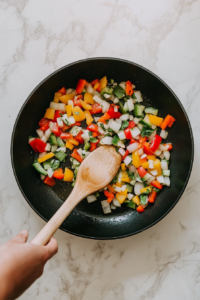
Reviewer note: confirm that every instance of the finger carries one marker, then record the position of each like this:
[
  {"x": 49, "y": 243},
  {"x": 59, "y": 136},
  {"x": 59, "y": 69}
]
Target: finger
[
  {"x": 51, "y": 248},
  {"x": 21, "y": 237}
]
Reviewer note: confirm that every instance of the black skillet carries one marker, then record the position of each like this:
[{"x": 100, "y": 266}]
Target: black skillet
[{"x": 88, "y": 220}]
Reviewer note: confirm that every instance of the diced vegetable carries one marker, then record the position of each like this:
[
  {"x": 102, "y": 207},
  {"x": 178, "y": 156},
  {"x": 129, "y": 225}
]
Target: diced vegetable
[{"x": 68, "y": 175}]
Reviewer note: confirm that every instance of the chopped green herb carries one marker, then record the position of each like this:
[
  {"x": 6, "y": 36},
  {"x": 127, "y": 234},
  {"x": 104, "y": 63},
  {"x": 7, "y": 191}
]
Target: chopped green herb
[
  {"x": 102, "y": 126},
  {"x": 107, "y": 121},
  {"x": 90, "y": 133},
  {"x": 133, "y": 96},
  {"x": 73, "y": 183},
  {"x": 93, "y": 140},
  {"x": 115, "y": 140},
  {"x": 61, "y": 114},
  {"x": 66, "y": 122},
  {"x": 124, "y": 125},
  {"x": 114, "y": 180},
  {"x": 146, "y": 131},
  {"x": 30, "y": 137},
  {"x": 117, "y": 149},
  {"x": 97, "y": 194},
  {"x": 77, "y": 113},
  {"x": 110, "y": 130},
  {"x": 143, "y": 199},
  {"x": 156, "y": 190},
  {"x": 131, "y": 175}
]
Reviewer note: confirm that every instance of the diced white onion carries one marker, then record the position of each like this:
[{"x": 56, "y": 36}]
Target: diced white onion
[
  {"x": 153, "y": 126},
  {"x": 105, "y": 106},
  {"x": 47, "y": 133},
  {"x": 97, "y": 99},
  {"x": 154, "y": 172},
  {"x": 127, "y": 160},
  {"x": 167, "y": 181},
  {"x": 120, "y": 144},
  {"x": 71, "y": 120},
  {"x": 106, "y": 207},
  {"x": 151, "y": 164},
  {"x": 161, "y": 179},
  {"x": 147, "y": 177},
  {"x": 59, "y": 122},
  {"x": 161, "y": 156},
  {"x": 119, "y": 121},
  {"x": 119, "y": 178},
  {"x": 163, "y": 134},
  {"x": 62, "y": 149},
  {"x": 131, "y": 118},
  {"x": 40, "y": 133},
  {"x": 164, "y": 165},
  {"x": 121, "y": 135},
  {"x": 30, "y": 140},
  {"x": 138, "y": 186},
  {"x": 140, "y": 151},
  {"x": 166, "y": 173},
  {"x": 130, "y": 104},
  {"x": 96, "y": 119},
  {"x": 75, "y": 130},
  {"x": 115, "y": 126},
  {"x": 137, "y": 137},
  {"x": 123, "y": 85},
  {"x": 48, "y": 147},
  {"x": 138, "y": 96},
  {"x": 166, "y": 154},
  {"x": 135, "y": 131},
  {"x": 116, "y": 100},
  {"x": 42, "y": 154},
  {"x": 51, "y": 125},
  {"x": 79, "y": 151},
  {"x": 116, "y": 202},
  {"x": 132, "y": 169},
  {"x": 70, "y": 91},
  {"x": 115, "y": 109},
  {"x": 91, "y": 198},
  {"x": 123, "y": 187},
  {"x": 107, "y": 96},
  {"x": 162, "y": 147},
  {"x": 140, "y": 126},
  {"x": 50, "y": 172},
  {"x": 130, "y": 196},
  {"x": 118, "y": 189},
  {"x": 132, "y": 147},
  {"x": 89, "y": 88},
  {"x": 58, "y": 106},
  {"x": 107, "y": 140},
  {"x": 124, "y": 117},
  {"x": 86, "y": 135},
  {"x": 54, "y": 148},
  {"x": 151, "y": 137},
  {"x": 157, "y": 152},
  {"x": 121, "y": 151},
  {"x": 136, "y": 120},
  {"x": 44, "y": 139},
  {"x": 143, "y": 156},
  {"x": 71, "y": 102},
  {"x": 112, "y": 206},
  {"x": 152, "y": 178}
]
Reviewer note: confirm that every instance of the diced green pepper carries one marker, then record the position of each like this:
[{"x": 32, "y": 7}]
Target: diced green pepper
[{"x": 60, "y": 155}]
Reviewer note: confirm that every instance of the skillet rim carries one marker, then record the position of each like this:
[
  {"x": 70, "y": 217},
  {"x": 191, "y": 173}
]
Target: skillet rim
[{"x": 177, "y": 99}]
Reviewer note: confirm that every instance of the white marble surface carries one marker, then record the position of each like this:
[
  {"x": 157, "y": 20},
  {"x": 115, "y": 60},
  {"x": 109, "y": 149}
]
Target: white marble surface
[{"x": 36, "y": 38}]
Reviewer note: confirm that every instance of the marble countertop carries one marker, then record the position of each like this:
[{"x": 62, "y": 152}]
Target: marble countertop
[{"x": 38, "y": 37}]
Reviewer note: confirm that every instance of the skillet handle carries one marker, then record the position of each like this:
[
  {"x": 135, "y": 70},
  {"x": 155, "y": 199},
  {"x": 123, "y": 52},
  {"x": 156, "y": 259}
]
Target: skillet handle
[{"x": 54, "y": 223}]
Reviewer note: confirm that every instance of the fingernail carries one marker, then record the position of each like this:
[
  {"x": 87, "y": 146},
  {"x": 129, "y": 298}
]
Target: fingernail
[{"x": 24, "y": 232}]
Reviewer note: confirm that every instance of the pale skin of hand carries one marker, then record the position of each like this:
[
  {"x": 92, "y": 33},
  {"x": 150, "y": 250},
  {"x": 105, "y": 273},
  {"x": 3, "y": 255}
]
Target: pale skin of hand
[{"x": 21, "y": 264}]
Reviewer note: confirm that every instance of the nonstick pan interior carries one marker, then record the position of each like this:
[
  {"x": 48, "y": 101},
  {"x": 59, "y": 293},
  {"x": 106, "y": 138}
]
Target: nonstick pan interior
[{"x": 88, "y": 220}]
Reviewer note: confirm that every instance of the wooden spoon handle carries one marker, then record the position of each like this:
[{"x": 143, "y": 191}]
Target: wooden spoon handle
[{"x": 54, "y": 223}]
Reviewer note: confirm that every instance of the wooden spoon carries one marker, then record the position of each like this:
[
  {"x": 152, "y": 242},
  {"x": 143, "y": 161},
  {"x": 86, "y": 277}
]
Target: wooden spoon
[{"x": 95, "y": 172}]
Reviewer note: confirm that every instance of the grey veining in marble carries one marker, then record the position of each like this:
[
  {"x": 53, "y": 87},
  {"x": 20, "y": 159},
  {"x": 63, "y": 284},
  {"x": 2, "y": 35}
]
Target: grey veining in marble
[{"x": 38, "y": 37}]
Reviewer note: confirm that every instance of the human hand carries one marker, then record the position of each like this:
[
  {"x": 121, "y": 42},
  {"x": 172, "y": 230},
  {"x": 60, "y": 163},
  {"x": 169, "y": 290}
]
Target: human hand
[{"x": 21, "y": 264}]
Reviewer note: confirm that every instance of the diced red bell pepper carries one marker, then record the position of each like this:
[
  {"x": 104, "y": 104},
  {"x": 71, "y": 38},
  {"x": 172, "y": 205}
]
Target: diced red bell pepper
[
  {"x": 109, "y": 200},
  {"x": 33, "y": 145},
  {"x": 40, "y": 145},
  {"x": 155, "y": 143},
  {"x": 113, "y": 114},
  {"x": 76, "y": 155},
  {"x": 152, "y": 196},
  {"x": 142, "y": 139},
  {"x": 58, "y": 114},
  {"x": 156, "y": 184},
  {"x": 80, "y": 85},
  {"x": 109, "y": 194},
  {"x": 143, "y": 160},
  {"x": 142, "y": 172},
  {"x": 45, "y": 127},
  {"x": 65, "y": 127},
  {"x": 147, "y": 149},
  {"x": 62, "y": 91},
  {"x": 43, "y": 121},
  {"x": 169, "y": 146},
  {"x": 95, "y": 134},
  {"x": 171, "y": 122},
  {"x": 77, "y": 102},
  {"x": 129, "y": 89},
  {"x": 56, "y": 129},
  {"x": 131, "y": 124},
  {"x": 140, "y": 209},
  {"x": 66, "y": 135},
  {"x": 93, "y": 128},
  {"x": 49, "y": 181},
  {"x": 93, "y": 146},
  {"x": 96, "y": 109},
  {"x": 79, "y": 138},
  {"x": 127, "y": 133},
  {"x": 58, "y": 174},
  {"x": 94, "y": 82},
  {"x": 132, "y": 141},
  {"x": 125, "y": 155}
]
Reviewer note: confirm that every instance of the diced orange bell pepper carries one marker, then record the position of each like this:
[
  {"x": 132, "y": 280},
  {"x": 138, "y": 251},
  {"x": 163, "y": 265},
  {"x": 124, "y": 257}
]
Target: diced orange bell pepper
[
  {"x": 69, "y": 145},
  {"x": 65, "y": 98},
  {"x": 156, "y": 184},
  {"x": 103, "y": 83},
  {"x": 171, "y": 122},
  {"x": 151, "y": 157},
  {"x": 50, "y": 112},
  {"x": 73, "y": 141},
  {"x": 62, "y": 91},
  {"x": 56, "y": 97},
  {"x": 109, "y": 200},
  {"x": 129, "y": 89},
  {"x": 78, "y": 114},
  {"x": 88, "y": 98},
  {"x": 105, "y": 117},
  {"x": 152, "y": 197},
  {"x": 85, "y": 105},
  {"x": 58, "y": 174},
  {"x": 140, "y": 209},
  {"x": 109, "y": 194},
  {"x": 111, "y": 189},
  {"x": 143, "y": 160}
]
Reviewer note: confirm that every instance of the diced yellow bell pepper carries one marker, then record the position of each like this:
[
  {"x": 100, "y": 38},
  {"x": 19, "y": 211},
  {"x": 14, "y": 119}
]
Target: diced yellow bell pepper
[
  {"x": 103, "y": 82},
  {"x": 145, "y": 189},
  {"x": 151, "y": 157},
  {"x": 56, "y": 97},
  {"x": 155, "y": 120},
  {"x": 157, "y": 166},
  {"x": 88, "y": 116},
  {"x": 65, "y": 98},
  {"x": 45, "y": 157},
  {"x": 136, "y": 159},
  {"x": 123, "y": 167},
  {"x": 69, "y": 145},
  {"x": 88, "y": 98},
  {"x": 145, "y": 165},
  {"x": 69, "y": 110},
  {"x": 122, "y": 196},
  {"x": 136, "y": 200},
  {"x": 73, "y": 141},
  {"x": 118, "y": 184},
  {"x": 68, "y": 175},
  {"x": 78, "y": 114},
  {"x": 50, "y": 112},
  {"x": 85, "y": 105},
  {"x": 125, "y": 177},
  {"x": 96, "y": 86}
]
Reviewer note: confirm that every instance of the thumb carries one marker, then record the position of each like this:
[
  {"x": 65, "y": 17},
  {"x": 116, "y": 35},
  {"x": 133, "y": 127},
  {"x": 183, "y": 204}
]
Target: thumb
[{"x": 21, "y": 237}]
